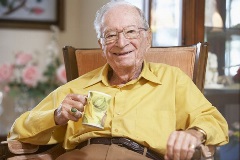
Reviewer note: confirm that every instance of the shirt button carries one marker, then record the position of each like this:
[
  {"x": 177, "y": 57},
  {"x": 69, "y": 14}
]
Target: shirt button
[{"x": 116, "y": 130}]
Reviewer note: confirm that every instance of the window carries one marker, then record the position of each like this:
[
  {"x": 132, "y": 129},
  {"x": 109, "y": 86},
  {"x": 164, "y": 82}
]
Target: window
[
  {"x": 165, "y": 20},
  {"x": 222, "y": 26}
]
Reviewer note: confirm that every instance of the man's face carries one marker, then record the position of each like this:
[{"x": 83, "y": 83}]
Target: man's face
[{"x": 124, "y": 53}]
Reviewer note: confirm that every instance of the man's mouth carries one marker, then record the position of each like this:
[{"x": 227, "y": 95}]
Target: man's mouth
[{"x": 123, "y": 53}]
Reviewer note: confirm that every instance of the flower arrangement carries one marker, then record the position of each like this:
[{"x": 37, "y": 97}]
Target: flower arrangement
[
  {"x": 27, "y": 80},
  {"x": 25, "y": 76}
]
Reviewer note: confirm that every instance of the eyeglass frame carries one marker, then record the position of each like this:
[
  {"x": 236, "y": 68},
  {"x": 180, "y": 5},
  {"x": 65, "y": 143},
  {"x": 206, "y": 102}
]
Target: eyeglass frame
[{"x": 103, "y": 39}]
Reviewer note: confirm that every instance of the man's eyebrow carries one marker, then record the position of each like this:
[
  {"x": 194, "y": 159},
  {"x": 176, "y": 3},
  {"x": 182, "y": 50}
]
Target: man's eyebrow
[{"x": 113, "y": 29}]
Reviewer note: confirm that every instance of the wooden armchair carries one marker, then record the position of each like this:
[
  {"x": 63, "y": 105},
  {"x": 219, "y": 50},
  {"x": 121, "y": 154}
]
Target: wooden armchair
[{"x": 191, "y": 59}]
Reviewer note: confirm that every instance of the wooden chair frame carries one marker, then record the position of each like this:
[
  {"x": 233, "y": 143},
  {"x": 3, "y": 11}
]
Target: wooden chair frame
[{"x": 200, "y": 60}]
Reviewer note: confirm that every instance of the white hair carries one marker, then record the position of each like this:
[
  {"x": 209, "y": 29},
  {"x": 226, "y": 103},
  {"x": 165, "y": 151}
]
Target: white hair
[{"x": 100, "y": 14}]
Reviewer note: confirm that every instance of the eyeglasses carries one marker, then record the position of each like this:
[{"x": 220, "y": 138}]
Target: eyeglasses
[{"x": 130, "y": 32}]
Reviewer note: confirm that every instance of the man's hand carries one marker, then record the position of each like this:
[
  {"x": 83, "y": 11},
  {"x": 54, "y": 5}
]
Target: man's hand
[
  {"x": 181, "y": 144},
  {"x": 71, "y": 108}
]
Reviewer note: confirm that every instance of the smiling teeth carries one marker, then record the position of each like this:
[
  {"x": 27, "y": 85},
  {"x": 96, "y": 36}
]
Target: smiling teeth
[{"x": 122, "y": 53}]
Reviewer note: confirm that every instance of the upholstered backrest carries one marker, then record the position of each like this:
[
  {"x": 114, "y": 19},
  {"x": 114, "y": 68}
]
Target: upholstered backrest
[
  {"x": 88, "y": 60},
  {"x": 190, "y": 59}
]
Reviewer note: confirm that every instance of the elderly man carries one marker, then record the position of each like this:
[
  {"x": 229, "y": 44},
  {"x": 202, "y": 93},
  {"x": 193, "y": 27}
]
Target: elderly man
[{"x": 156, "y": 109}]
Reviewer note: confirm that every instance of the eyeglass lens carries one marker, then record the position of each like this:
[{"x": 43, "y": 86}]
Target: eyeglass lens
[{"x": 130, "y": 32}]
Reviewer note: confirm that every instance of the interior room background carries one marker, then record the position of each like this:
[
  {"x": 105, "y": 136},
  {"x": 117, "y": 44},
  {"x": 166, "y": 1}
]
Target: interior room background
[
  {"x": 78, "y": 31},
  {"x": 221, "y": 28}
]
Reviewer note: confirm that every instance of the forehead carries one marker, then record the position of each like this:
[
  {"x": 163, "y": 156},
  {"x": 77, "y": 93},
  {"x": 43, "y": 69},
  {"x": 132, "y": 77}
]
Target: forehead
[{"x": 119, "y": 17}]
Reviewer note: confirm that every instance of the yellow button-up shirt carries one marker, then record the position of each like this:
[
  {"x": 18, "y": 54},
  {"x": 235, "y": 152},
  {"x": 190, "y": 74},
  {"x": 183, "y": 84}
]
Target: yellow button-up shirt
[{"x": 163, "y": 99}]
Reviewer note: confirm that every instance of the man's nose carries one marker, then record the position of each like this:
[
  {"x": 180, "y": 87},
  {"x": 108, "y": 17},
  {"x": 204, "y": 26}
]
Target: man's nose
[{"x": 122, "y": 41}]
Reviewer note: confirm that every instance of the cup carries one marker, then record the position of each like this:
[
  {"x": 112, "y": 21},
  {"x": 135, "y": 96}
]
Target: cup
[{"x": 95, "y": 111}]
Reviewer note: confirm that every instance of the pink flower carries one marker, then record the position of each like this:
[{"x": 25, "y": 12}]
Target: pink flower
[
  {"x": 6, "y": 89},
  {"x": 6, "y": 72},
  {"x": 61, "y": 74},
  {"x": 30, "y": 76},
  {"x": 23, "y": 58}
]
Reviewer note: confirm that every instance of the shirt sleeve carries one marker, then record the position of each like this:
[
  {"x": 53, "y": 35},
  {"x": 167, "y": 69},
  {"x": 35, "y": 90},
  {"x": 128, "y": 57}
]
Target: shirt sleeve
[
  {"x": 38, "y": 126},
  {"x": 193, "y": 109}
]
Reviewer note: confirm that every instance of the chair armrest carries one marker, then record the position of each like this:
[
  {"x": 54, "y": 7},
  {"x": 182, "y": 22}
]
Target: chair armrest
[
  {"x": 203, "y": 152},
  {"x": 4, "y": 152},
  {"x": 15, "y": 149}
]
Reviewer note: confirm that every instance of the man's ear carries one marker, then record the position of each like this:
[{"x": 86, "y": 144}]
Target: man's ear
[
  {"x": 101, "y": 46},
  {"x": 149, "y": 38}
]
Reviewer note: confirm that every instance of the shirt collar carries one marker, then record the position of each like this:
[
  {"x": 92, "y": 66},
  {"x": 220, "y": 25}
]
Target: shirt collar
[
  {"x": 100, "y": 76},
  {"x": 103, "y": 75},
  {"x": 148, "y": 74}
]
